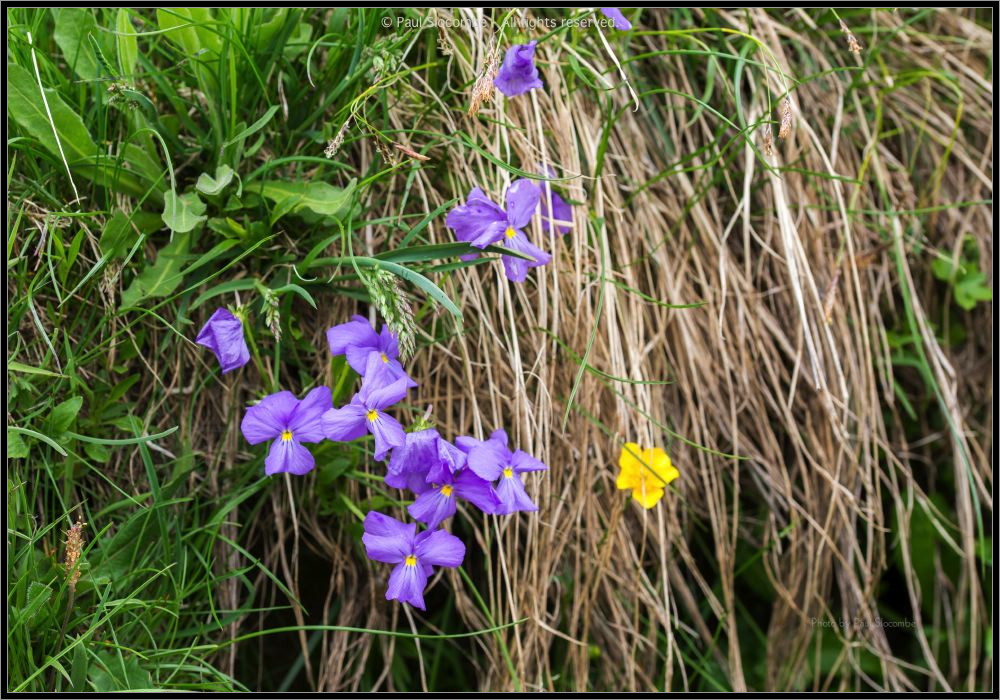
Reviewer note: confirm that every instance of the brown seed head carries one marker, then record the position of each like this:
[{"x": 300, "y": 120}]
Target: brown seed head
[{"x": 786, "y": 119}]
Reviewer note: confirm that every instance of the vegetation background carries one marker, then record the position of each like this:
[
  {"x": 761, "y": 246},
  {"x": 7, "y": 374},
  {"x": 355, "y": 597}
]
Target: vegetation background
[{"x": 804, "y": 322}]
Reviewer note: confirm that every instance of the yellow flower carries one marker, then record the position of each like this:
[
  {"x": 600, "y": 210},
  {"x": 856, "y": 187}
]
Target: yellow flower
[{"x": 645, "y": 472}]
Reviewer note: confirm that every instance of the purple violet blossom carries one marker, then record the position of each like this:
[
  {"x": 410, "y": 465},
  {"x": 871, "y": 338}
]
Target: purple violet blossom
[
  {"x": 518, "y": 73},
  {"x": 616, "y": 16},
  {"x": 481, "y": 222},
  {"x": 289, "y": 422},
  {"x": 562, "y": 212},
  {"x": 223, "y": 335},
  {"x": 438, "y": 503},
  {"x": 415, "y": 555},
  {"x": 493, "y": 460},
  {"x": 423, "y": 459},
  {"x": 366, "y": 413},
  {"x": 358, "y": 341}
]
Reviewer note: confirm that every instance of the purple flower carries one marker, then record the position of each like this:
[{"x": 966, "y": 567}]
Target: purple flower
[
  {"x": 616, "y": 16},
  {"x": 562, "y": 212},
  {"x": 423, "y": 459},
  {"x": 518, "y": 73},
  {"x": 492, "y": 460},
  {"x": 223, "y": 335},
  {"x": 481, "y": 222},
  {"x": 415, "y": 556},
  {"x": 366, "y": 413},
  {"x": 289, "y": 422},
  {"x": 358, "y": 341},
  {"x": 438, "y": 503}
]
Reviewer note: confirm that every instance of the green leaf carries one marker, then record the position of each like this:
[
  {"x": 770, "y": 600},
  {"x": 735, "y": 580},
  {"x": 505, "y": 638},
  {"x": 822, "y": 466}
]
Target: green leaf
[
  {"x": 62, "y": 417},
  {"x": 214, "y": 185},
  {"x": 38, "y": 596},
  {"x": 181, "y": 214},
  {"x": 253, "y": 128},
  {"x": 162, "y": 277},
  {"x": 16, "y": 449},
  {"x": 14, "y": 366},
  {"x": 118, "y": 236},
  {"x": 319, "y": 197},
  {"x": 971, "y": 289},
  {"x": 72, "y": 27},
  {"x": 112, "y": 673},
  {"x": 128, "y": 46},
  {"x": 25, "y": 106}
]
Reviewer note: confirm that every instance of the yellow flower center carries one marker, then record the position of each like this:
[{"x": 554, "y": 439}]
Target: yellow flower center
[
  {"x": 510, "y": 232},
  {"x": 385, "y": 358},
  {"x": 411, "y": 560},
  {"x": 286, "y": 435},
  {"x": 373, "y": 415},
  {"x": 508, "y": 473},
  {"x": 446, "y": 490}
]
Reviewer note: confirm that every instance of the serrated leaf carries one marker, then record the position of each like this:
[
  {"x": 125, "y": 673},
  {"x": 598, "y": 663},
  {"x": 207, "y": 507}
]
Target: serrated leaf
[
  {"x": 319, "y": 197},
  {"x": 162, "y": 277},
  {"x": 182, "y": 213},
  {"x": 214, "y": 185},
  {"x": 38, "y": 596},
  {"x": 62, "y": 416}
]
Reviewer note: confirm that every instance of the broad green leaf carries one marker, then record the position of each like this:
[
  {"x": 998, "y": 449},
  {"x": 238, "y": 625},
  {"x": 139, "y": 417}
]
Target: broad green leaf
[
  {"x": 73, "y": 26},
  {"x": 128, "y": 46},
  {"x": 214, "y": 185},
  {"x": 38, "y": 597},
  {"x": 117, "y": 237},
  {"x": 970, "y": 289},
  {"x": 161, "y": 278},
  {"x": 181, "y": 214},
  {"x": 111, "y": 673},
  {"x": 25, "y": 106},
  {"x": 319, "y": 197},
  {"x": 16, "y": 449},
  {"x": 63, "y": 416}
]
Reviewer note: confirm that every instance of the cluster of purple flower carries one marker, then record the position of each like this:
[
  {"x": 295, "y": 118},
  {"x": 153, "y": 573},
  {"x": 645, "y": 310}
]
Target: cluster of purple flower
[
  {"x": 481, "y": 222},
  {"x": 486, "y": 473}
]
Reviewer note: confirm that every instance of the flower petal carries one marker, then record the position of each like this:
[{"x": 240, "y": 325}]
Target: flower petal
[
  {"x": 406, "y": 584},
  {"x": 288, "y": 456},
  {"x": 469, "y": 220},
  {"x": 561, "y": 213},
  {"x": 375, "y": 393},
  {"x": 466, "y": 442},
  {"x": 357, "y": 332},
  {"x": 306, "y": 421},
  {"x": 439, "y": 548},
  {"x": 517, "y": 268},
  {"x": 512, "y": 496},
  {"x": 266, "y": 419},
  {"x": 432, "y": 507},
  {"x": 523, "y": 462},
  {"x": 647, "y": 496},
  {"x": 489, "y": 235},
  {"x": 616, "y": 16},
  {"x": 476, "y": 491},
  {"x": 346, "y": 423},
  {"x": 518, "y": 73},
  {"x": 449, "y": 460},
  {"x": 386, "y": 539},
  {"x": 389, "y": 434},
  {"x": 488, "y": 459},
  {"x": 522, "y": 201},
  {"x": 223, "y": 335}
]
